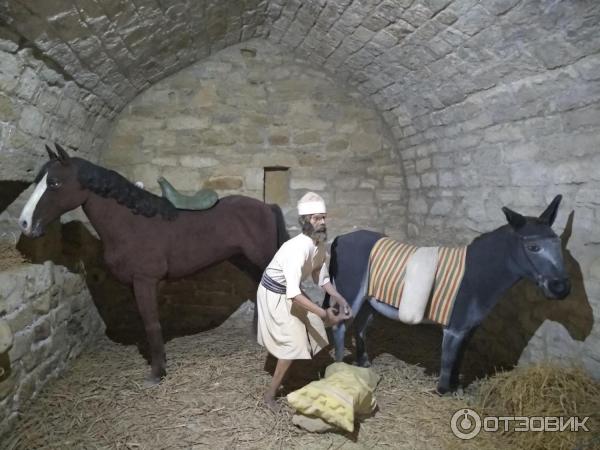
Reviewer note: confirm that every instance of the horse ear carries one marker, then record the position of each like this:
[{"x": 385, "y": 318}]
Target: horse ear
[
  {"x": 515, "y": 219},
  {"x": 549, "y": 215},
  {"x": 51, "y": 154},
  {"x": 63, "y": 156}
]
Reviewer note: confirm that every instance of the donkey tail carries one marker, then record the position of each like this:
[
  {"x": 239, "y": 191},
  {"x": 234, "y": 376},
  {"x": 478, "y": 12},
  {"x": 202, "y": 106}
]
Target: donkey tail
[{"x": 282, "y": 233}]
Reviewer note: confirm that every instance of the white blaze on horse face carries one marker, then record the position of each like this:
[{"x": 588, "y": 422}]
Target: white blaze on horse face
[{"x": 26, "y": 218}]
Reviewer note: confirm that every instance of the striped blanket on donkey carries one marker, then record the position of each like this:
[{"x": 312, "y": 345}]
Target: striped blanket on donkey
[{"x": 430, "y": 276}]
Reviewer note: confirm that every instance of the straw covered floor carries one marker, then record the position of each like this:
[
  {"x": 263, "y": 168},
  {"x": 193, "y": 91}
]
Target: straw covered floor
[{"x": 212, "y": 398}]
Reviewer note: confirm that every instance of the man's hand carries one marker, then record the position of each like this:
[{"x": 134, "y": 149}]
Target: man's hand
[
  {"x": 331, "y": 318},
  {"x": 340, "y": 304}
]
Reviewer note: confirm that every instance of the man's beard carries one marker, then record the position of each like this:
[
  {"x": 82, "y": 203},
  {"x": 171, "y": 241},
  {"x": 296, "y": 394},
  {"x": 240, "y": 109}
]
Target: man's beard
[{"x": 318, "y": 234}]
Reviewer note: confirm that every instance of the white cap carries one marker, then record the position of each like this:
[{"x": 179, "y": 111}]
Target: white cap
[{"x": 311, "y": 203}]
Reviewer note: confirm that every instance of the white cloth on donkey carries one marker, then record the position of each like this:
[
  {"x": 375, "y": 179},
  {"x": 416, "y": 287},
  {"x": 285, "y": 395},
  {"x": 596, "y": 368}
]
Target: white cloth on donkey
[{"x": 418, "y": 282}]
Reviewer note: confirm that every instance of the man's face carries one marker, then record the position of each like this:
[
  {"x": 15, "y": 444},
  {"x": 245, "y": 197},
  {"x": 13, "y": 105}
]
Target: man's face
[
  {"x": 319, "y": 227},
  {"x": 318, "y": 222}
]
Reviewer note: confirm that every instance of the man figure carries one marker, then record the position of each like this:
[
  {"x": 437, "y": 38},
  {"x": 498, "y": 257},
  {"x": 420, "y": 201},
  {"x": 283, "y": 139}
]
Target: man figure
[{"x": 290, "y": 325}]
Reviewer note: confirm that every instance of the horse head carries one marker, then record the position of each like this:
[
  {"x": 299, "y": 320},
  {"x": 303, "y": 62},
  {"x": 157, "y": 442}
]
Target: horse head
[
  {"x": 536, "y": 251},
  {"x": 57, "y": 191}
]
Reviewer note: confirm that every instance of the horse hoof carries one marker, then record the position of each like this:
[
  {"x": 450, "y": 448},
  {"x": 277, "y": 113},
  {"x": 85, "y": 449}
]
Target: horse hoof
[
  {"x": 365, "y": 364},
  {"x": 151, "y": 381}
]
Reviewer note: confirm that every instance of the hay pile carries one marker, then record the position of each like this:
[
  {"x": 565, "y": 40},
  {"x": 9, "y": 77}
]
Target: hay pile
[
  {"x": 544, "y": 390},
  {"x": 9, "y": 256}
]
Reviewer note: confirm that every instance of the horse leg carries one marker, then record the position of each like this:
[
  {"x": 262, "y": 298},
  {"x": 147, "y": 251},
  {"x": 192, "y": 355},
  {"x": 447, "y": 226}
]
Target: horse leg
[
  {"x": 145, "y": 297},
  {"x": 452, "y": 344},
  {"x": 361, "y": 324}
]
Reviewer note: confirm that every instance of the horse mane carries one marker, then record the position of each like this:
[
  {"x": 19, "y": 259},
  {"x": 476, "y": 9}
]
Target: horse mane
[{"x": 110, "y": 184}]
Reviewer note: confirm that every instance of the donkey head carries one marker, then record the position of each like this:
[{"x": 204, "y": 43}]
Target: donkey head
[
  {"x": 57, "y": 191},
  {"x": 536, "y": 251}
]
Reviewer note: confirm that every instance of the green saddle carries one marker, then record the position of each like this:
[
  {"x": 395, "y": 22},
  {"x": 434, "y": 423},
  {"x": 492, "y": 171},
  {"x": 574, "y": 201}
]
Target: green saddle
[{"x": 203, "y": 199}]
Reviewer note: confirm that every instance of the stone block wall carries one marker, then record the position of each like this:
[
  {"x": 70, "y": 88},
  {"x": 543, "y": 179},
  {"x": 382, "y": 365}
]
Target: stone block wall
[
  {"x": 219, "y": 123},
  {"x": 40, "y": 104},
  {"x": 50, "y": 318}
]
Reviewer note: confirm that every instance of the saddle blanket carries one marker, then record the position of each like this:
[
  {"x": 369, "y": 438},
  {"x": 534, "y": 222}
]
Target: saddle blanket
[{"x": 388, "y": 264}]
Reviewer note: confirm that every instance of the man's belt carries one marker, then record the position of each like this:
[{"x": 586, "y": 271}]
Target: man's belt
[{"x": 272, "y": 285}]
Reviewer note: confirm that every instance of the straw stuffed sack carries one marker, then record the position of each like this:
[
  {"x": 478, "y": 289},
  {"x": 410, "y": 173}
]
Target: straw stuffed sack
[{"x": 345, "y": 391}]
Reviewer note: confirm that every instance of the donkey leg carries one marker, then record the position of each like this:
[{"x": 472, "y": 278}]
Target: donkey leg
[
  {"x": 145, "y": 297},
  {"x": 451, "y": 347},
  {"x": 455, "y": 373},
  {"x": 339, "y": 340},
  {"x": 361, "y": 324}
]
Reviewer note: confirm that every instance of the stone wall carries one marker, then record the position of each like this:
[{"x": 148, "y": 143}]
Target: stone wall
[
  {"x": 39, "y": 105},
  {"x": 51, "y": 318},
  {"x": 220, "y": 122}
]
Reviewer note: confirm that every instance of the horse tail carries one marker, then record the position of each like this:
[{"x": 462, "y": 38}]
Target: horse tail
[{"x": 282, "y": 233}]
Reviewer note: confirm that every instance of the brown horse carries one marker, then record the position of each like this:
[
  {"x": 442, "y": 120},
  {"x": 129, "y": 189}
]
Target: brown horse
[{"x": 145, "y": 238}]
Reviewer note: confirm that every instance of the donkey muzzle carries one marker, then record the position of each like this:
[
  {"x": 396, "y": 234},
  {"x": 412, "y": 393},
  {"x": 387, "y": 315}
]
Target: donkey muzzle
[{"x": 557, "y": 288}]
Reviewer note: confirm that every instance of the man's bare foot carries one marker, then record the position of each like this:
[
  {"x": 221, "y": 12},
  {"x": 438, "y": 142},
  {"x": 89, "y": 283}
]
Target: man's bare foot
[{"x": 271, "y": 403}]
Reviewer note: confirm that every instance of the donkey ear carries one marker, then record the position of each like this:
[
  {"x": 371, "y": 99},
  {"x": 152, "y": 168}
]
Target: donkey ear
[
  {"x": 515, "y": 219},
  {"x": 549, "y": 215},
  {"x": 51, "y": 154},
  {"x": 63, "y": 156}
]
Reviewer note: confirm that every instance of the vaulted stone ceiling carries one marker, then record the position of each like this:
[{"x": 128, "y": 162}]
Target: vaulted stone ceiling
[
  {"x": 412, "y": 57},
  {"x": 117, "y": 48}
]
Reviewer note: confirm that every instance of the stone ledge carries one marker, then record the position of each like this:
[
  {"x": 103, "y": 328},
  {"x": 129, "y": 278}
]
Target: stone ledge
[{"x": 40, "y": 340}]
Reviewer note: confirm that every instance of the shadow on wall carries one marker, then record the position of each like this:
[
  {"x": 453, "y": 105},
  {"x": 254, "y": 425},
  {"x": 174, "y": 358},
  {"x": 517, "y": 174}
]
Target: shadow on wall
[
  {"x": 186, "y": 306},
  {"x": 502, "y": 337},
  {"x": 9, "y": 191}
]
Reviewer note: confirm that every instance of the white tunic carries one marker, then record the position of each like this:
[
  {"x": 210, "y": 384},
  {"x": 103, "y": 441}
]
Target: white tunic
[{"x": 287, "y": 330}]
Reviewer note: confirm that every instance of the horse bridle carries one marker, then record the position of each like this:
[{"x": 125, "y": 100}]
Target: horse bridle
[{"x": 536, "y": 238}]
